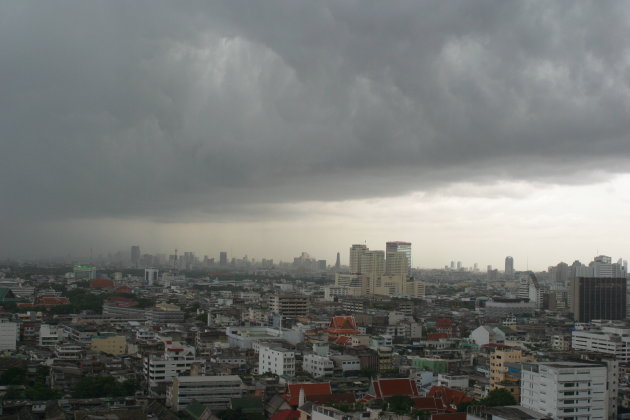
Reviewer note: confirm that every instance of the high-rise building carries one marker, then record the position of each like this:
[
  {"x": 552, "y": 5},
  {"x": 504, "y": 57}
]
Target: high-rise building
[
  {"x": 396, "y": 263},
  {"x": 372, "y": 265},
  {"x": 356, "y": 251},
  {"x": 559, "y": 276},
  {"x": 509, "y": 266},
  {"x": 598, "y": 298},
  {"x": 223, "y": 258},
  {"x": 400, "y": 246},
  {"x": 338, "y": 262},
  {"x": 135, "y": 255}
]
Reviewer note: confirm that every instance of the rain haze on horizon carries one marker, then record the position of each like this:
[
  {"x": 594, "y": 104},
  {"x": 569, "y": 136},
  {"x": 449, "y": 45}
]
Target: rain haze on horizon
[{"x": 473, "y": 129}]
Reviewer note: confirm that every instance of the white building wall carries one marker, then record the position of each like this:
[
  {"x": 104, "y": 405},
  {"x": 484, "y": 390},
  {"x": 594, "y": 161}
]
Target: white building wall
[
  {"x": 8, "y": 335},
  {"x": 565, "y": 390}
]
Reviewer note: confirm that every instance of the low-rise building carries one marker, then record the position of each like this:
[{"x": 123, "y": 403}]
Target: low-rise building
[
  {"x": 215, "y": 392},
  {"x": 115, "y": 345},
  {"x": 317, "y": 365}
]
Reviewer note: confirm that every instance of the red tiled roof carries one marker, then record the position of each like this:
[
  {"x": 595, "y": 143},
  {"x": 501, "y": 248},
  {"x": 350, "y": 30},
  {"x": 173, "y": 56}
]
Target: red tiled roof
[
  {"x": 285, "y": 415},
  {"x": 449, "y": 396},
  {"x": 293, "y": 391},
  {"x": 343, "y": 325},
  {"x": 124, "y": 289},
  {"x": 347, "y": 398},
  {"x": 436, "y": 336},
  {"x": 53, "y": 300},
  {"x": 102, "y": 284},
  {"x": 343, "y": 340},
  {"x": 449, "y": 416},
  {"x": 432, "y": 405},
  {"x": 443, "y": 323},
  {"x": 384, "y": 388}
]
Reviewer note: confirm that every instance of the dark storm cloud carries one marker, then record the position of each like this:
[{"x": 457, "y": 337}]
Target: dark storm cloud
[{"x": 169, "y": 110}]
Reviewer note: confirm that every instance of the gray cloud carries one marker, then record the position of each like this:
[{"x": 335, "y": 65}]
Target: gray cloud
[{"x": 175, "y": 111}]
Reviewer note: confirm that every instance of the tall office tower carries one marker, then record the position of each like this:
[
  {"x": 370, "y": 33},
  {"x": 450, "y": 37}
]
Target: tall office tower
[
  {"x": 459, "y": 265},
  {"x": 223, "y": 258},
  {"x": 559, "y": 276},
  {"x": 396, "y": 263},
  {"x": 338, "y": 262},
  {"x": 356, "y": 251},
  {"x": 452, "y": 265},
  {"x": 372, "y": 265},
  {"x": 602, "y": 266},
  {"x": 400, "y": 246},
  {"x": 135, "y": 255},
  {"x": 598, "y": 298},
  {"x": 509, "y": 266}
]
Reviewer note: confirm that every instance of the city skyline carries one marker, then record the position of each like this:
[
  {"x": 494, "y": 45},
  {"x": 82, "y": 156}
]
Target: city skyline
[{"x": 497, "y": 131}]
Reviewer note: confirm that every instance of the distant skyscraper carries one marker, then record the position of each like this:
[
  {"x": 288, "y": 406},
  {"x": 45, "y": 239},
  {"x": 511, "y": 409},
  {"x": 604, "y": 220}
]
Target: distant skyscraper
[
  {"x": 223, "y": 258},
  {"x": 509, "y": 266},
  {"x": 356, "y": 251},
  {"x": 400, "y": 246},
  {"x": 135, "y": 255},
  {"x": 372, "y": 265},
  {"x": 396, "y": 263},
  {"x": 338, "y": 262}
]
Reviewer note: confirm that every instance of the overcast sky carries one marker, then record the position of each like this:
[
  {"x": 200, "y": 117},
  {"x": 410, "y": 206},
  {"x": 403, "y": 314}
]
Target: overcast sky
[{"x": 474, "y": 129}]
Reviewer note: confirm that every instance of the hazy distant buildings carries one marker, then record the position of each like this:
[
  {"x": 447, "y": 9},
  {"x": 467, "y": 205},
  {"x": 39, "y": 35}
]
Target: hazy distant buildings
[
  {"x": 509, "y": 266},
  {"x": 338, "y": 262},
  {"x": 379, "y": 272},
  {"x": 223, "y": 258},
  {"x": 135, "y": 255},
  {"x": 84, "y": 272}
]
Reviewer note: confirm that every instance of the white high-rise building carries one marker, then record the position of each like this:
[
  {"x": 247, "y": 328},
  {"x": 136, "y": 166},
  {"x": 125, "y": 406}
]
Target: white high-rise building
[
  {"x": 566, "y": 390},
  {"x": 275, "y": 359}
]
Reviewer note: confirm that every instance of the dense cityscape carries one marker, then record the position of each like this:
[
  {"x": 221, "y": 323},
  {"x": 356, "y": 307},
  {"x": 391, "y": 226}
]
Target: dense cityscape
[
  {"x": 369, "y": 336},
  {"x": 314, "y": 210}
]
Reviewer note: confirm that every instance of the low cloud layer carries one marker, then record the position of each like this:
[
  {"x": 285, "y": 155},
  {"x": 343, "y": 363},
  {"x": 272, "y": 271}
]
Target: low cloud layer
[{"x": 216, "y": 110}]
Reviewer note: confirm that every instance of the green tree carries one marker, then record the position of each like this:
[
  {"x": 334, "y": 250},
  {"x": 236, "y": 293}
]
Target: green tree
[
  {"x": 498, "y": 397},
  {"x": 13, "y": 376},
  {"x": 104, "y": 386},
  {"x": 399, "y": 404}
]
